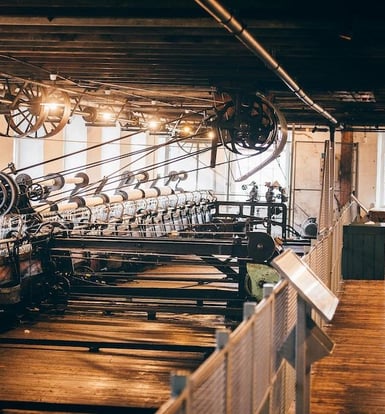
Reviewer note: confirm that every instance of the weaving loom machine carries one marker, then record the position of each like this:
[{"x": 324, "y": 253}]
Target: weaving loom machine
[{"x": 65, "y": 241}]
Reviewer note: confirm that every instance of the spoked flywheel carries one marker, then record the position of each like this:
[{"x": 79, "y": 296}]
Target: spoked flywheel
[
  {"x": 58, "y": 110},
  {"x": 35, "y": 111},
  {"x": 251, "y": 123},
  {"x": 26, "y": 110}
]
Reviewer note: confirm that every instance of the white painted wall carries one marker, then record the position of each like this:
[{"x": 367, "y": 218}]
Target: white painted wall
[
  {"x": 367, "y": 168},
  {"x": 306, "y": 171}
]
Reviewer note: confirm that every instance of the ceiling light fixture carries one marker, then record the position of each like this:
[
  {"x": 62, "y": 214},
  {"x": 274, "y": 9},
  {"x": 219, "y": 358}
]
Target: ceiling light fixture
[
  {"x": 153, "y": 124},
  {"x": 345, "y": 36},
  {"x": 107, "y": 116},
  {"x": 211, "y": 134}
]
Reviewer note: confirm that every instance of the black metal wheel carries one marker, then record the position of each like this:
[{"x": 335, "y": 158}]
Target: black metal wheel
[
  {"x": 35, "y": 192},
  {"x": 9, "y": 193}
]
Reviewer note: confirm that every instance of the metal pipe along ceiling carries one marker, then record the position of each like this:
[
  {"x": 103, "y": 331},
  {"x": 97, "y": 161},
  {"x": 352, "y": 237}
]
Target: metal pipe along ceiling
[{"x": 238, "y": 29}]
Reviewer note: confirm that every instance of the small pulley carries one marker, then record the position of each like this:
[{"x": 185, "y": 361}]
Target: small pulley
[{"x": 36, "y": 192}]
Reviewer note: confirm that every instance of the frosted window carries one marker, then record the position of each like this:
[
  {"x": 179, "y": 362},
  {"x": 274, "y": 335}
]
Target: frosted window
[
  {"x": 190, "y": 156},
  {"x": 28, "y": 152},
  {"x": 75, "y": 139},
  {"x": 110, "y": 153},
  {"x": 276, "y": 171},
  {"x": 380, "y": 187}
]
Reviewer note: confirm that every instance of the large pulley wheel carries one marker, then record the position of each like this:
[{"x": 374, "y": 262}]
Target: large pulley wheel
[
  {"x": 196, "y": 141},
  {"x": 26, "y": 110},
  {"x": 194, "y": 145},
  {"x": 257, "y": 126},
  {"x": 261, "y": 246},
  {"x": 58, "y": 110},
  {"x": 249, "y": 123},
  {"x": 192, "y": 137},
  {"x": 9, "y": 194}
]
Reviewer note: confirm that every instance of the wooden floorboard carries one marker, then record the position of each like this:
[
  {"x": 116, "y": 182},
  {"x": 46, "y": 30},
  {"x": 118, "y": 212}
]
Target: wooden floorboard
[
  {"x": 352, "y": 379},
  {"x": 129, "y": 379}
]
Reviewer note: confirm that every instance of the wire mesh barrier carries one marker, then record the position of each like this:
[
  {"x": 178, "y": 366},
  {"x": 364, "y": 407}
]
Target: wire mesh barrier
[
  {"x": 250, "y": 372},
  {"x": 324, "y": 257}
]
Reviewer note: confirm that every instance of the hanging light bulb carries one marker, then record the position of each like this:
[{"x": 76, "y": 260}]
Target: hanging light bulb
[
  {"x": 153, "y": 124},
  {"x": 211, "y": 134},
  {"x": 186, "y": 129},
  {"x": 107, "y": 116}
]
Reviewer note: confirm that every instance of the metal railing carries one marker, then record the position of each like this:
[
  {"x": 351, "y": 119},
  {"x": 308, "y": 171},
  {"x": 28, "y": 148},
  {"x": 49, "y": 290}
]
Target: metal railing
[{"x": 248, "y": 373}]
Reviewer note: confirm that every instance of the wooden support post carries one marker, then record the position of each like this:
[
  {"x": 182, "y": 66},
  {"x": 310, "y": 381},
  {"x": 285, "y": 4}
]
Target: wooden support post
[
  {"x": 345, "y": 172},
  {"x": 301, "y": 365}
]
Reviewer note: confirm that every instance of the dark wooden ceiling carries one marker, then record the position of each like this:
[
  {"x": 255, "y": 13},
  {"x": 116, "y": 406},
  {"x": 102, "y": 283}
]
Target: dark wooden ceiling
[{"x": 174, "y": 54}]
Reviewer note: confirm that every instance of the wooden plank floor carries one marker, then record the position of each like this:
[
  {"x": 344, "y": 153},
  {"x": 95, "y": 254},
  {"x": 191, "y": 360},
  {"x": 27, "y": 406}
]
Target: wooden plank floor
[
  {"x": 133, "y": 380},
  {"x": 129, "y": 380},
  {"x": 352, "y": 379}
]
